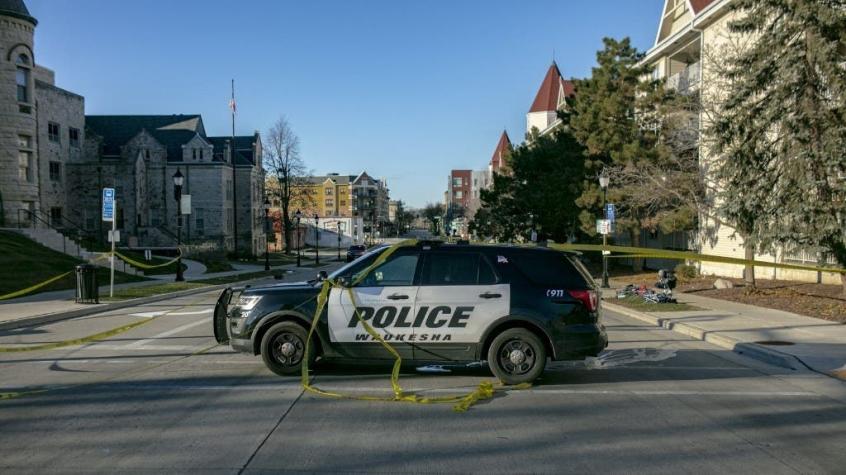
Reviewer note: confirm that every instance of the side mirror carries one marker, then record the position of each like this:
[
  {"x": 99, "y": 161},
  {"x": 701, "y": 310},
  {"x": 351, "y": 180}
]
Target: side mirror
[{"x": 322, "y": 275}]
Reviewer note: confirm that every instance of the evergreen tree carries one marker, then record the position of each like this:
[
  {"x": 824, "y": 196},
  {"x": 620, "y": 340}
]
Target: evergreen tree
[
  {"x": 781, "y": 131},
  {"x": 614, "y": 116}
]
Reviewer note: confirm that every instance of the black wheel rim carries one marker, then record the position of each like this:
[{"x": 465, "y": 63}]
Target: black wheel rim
[
  {"x": 288, "y": 349},
  {"x": 517, "y": 357}
]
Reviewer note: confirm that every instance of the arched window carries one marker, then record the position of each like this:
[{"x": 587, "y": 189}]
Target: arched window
[{"x": 22, "y": 78}]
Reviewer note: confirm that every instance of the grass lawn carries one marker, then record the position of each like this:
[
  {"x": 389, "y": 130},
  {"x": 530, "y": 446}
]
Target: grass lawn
[
  {"x": 148, "y": 290},
  {"x": 637, "y": 303},
  {"x": 25, "y": 263},
  {"x": 237, "y": 278}
]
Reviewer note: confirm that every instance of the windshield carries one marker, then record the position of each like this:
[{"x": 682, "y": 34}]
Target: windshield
[{"x": 359, "y": 264}]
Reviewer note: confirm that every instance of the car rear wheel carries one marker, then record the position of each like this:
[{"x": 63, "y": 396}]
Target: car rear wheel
[
  {"x": 517, "y": 356},
  {"x": 283, "y": 348}
]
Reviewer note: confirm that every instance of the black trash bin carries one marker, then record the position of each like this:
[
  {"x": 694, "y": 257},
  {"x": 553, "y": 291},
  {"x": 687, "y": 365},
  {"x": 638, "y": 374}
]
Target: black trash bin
[{"x": 87, "y": 290}]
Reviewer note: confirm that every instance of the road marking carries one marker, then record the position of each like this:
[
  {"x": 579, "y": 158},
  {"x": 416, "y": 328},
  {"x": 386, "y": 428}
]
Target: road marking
[
  {"x": 198, "y": 312},
  {"x": 142, "y": 343},
  {"x": 148, "y": 314}
]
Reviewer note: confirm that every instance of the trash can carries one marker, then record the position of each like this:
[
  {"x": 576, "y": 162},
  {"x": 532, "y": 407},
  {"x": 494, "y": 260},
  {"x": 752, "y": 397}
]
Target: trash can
[{"x": 87, "y": 290}]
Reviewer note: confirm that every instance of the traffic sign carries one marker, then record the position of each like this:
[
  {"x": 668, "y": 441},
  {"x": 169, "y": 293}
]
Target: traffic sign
[
  {"x": 610, "y": 212},
  {"x": 603, "y": 226},
  {"x": 108, "y": 204}
]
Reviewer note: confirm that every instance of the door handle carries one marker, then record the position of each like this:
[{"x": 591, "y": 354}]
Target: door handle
[
  {"x": 488, "y": 295},
  {"x": 397, "y": 297}
]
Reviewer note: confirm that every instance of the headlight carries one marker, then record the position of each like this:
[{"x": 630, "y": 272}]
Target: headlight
[{"x": 248, "y": 302}]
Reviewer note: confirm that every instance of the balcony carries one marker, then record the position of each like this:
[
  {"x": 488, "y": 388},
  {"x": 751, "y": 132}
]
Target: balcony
[{"x": 686, "y": 80}]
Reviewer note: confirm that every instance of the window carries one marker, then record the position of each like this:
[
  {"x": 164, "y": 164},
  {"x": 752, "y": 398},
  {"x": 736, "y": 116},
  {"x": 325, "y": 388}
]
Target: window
[
  {"x": 456, "y": 181},
  {"x": 398, "y": 270},
  {"x": 56, "y": 216},
  {"x": 201, "y": 154},
  {"x": 328, "y": 191},
  {"x": 22, "y": 80},
  {"x": 26, "y": 166},
  {"x": 24, "y": 141},
  {"x": 147, "y": 154},
  {"x": 55, "y": 171},
  {"x": 73, "y": 136},
  {"x": 199, "y": 222},
  {"x": 343, "y": 202},
  {"x": 453, "y": 268},
  {"x": 550, "y": 269},
  {"x": 459, "y": 195},
  {"x": 53, "y": 131}
]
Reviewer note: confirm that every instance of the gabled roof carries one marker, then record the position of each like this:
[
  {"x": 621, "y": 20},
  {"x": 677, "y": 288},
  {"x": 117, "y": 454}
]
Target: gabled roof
[
  {"x": 338, "y": 179},
  {"x": 171, "y": 130},
  {"x": 699, "y": 5},
  {"x": 548, "y": 97},
  {"x": 17, "y": 9},
  {"x": 503, "y": 146}
]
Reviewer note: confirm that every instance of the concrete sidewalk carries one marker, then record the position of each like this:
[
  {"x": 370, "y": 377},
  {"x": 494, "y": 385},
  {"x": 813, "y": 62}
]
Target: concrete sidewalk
[{"x": 773, "y": 336}]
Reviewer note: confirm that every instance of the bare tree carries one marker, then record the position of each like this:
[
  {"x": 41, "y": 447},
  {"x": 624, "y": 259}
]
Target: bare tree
[{"x": 283, "y": 163}]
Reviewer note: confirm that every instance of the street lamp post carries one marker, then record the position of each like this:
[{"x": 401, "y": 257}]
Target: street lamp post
[
  {"x": 604, "y": 180},
  {"x": 316, "y": 240},
  {"x": 177, "y": 195},
  {"x": 339, "y": 240},
  {"x": 298, "y": 215},
  {"x": 266, "y": 223}
]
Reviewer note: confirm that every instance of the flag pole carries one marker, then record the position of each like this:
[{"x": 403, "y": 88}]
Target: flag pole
[{"x": 232, "y": 107}]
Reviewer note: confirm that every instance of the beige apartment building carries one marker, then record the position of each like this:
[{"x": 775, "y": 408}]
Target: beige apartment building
[{"x": 692, "y": 38}]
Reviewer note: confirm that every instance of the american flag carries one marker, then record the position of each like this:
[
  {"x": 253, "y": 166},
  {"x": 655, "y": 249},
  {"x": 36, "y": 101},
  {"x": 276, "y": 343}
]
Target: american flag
[{"x": 232, "y": 106}]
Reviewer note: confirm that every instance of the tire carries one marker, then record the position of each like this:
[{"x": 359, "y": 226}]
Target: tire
[
  {"x": 281, "y": 359},
  {"x": 502, "y": 357}
]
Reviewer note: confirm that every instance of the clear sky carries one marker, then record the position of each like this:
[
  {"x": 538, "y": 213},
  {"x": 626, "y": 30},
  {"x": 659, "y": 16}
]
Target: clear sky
[{"x": 404, "y": 90}]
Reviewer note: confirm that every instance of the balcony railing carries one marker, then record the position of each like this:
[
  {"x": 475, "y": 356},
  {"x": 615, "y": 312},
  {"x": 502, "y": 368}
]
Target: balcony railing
[{"x": 686, "y": 80}]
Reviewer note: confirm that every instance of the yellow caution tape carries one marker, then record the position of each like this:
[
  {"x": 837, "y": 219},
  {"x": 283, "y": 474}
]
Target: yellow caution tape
[
  {"x": 485, "y": 390},
  {"x": 75, "y": 341},
  {"x": 643, "y": 253},
  {"x": 142, "y": 265},
  {"x": 34, "y": 287}
]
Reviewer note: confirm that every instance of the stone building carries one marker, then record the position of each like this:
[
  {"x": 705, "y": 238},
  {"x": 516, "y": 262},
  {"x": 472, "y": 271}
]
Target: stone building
[
  {"x": 41, "y": 130},
  {"x": 138, "y": 156}
]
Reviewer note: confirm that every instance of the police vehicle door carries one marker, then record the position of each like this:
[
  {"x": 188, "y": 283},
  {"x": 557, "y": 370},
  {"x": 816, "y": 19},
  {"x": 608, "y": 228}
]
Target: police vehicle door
[
  {"x": 460, "y": 296},
  {"x": 385, "y": 299}
]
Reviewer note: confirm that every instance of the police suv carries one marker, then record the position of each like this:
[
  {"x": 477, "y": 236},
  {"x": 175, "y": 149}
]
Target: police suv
[{"x": 433, "y": 302}]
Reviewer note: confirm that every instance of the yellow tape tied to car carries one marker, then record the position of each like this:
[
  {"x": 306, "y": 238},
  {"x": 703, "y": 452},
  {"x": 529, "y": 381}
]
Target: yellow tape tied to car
[{"x": 485, "y": 390}]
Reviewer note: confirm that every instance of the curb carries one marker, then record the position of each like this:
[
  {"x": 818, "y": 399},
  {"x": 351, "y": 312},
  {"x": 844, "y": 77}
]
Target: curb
[{"x": 751, "y": 350}]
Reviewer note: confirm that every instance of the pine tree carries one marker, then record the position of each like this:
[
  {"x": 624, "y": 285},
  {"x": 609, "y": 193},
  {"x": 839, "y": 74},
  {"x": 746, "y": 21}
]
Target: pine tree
[
  {"x": 781, "y": 131},
  {"x": 613, "y": 116}
]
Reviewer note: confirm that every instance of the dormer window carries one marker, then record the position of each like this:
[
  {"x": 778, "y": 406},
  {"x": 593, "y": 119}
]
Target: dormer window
[
  {"x": 201, "y": 154},
  {"x": 194, "y": 153}
]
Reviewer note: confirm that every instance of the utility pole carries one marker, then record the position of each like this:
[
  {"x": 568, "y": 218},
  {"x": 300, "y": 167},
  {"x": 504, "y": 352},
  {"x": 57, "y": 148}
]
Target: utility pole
[{"x": 233, "y": 107}]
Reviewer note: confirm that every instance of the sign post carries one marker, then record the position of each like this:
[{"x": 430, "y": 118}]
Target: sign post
[{"x": 109, "y": 208}]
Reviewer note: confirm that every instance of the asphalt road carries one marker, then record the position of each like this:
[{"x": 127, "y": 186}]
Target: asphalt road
[{"x": 164, "y": 397}]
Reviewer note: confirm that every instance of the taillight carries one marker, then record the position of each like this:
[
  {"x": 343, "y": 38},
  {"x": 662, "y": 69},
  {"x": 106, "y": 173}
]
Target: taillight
[{"x": 588, "y": 298}]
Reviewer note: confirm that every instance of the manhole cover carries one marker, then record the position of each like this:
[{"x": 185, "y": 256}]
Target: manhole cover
[{"x": 775, "y": 343}]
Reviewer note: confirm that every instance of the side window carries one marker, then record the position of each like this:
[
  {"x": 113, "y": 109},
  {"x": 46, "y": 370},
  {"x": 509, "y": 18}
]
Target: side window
[
  {"x": 457, "y": 268},
  {"x": 398, "y": 270}
]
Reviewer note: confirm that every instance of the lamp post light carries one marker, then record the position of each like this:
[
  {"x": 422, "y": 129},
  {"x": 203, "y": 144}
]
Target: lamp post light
[
  {"x": 604, "y": 180},
  {"x": 316, "y": 240},
  {"x": 177, "y": 195},
  {"x": 266, "y": 225},
  {"x": 297, "y": 216}
]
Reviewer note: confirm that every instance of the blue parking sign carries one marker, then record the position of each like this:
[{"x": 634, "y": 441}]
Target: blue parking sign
[
  {"x": 610, "y": 212},
  {"x": 108, "y": 204}
]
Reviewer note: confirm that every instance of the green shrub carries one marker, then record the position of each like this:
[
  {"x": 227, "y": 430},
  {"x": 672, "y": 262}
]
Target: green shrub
[{"x": 686, "y": 272}]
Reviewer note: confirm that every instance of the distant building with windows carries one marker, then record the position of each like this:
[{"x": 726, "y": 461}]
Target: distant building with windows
[{"x": 55, "y": 160}]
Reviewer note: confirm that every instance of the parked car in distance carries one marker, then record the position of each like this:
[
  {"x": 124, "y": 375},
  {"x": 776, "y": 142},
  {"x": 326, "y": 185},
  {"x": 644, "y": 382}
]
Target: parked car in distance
[{"x": 355, "y": 251}]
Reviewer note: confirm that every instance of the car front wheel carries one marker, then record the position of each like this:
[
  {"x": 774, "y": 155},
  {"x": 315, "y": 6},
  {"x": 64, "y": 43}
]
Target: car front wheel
[
  {"x": 283, "y": 348},
  {"x": 517, "y": 356}
]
